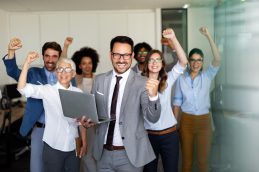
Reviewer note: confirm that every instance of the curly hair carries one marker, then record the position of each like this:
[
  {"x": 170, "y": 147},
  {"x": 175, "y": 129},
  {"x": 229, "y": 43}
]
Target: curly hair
[
  {"x": 162, "y": 73},
  {"x": 85, "y": 52},
  {"x": 138, "y": 46}
]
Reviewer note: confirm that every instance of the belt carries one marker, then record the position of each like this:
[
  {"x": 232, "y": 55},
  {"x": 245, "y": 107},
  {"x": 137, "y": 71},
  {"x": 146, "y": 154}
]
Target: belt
[
  {"x": 39, "y": 125},
  {"x": 162, "y": 132},
  {"x": 111, "y": 147}
]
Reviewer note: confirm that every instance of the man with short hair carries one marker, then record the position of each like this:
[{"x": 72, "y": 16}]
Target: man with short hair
[
  {"x": 121, "y": 94},
  {"x": 140, "y": 53},
  {"x": 34, "y": 117}
]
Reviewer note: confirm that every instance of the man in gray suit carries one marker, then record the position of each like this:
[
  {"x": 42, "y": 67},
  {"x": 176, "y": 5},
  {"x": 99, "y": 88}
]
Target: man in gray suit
[{"x": 137, "y": 99}]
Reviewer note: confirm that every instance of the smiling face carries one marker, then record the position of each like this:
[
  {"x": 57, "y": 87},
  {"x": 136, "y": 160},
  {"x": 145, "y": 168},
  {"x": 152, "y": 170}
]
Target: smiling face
[
  {"x": 50, "y": 59},
  {"x": 122, "y": 63},
  {"x": 196, "y": 62},
  {"x": 86, "y": 65},
  {"x": 141, "y": 56},
  {"x": 155, "y": 63},
  {"x": 64, "y": 75}
]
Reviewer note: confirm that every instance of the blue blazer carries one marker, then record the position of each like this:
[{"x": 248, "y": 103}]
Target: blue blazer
[{"x": 34, "y": 107}]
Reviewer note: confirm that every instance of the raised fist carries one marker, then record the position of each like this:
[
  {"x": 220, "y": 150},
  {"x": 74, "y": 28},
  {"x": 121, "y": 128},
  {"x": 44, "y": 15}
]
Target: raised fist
[
  {"x": 15, "y": 44},
  {"x": 169, "y": 33},
  {"x": 204, "y": 31},
  {"x": 152, "y": 87},
  {"x": 68, "y": 41},
  {"x": 32, "y": 56}
]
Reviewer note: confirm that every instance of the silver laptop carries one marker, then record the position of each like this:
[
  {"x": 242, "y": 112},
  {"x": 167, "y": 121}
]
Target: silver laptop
[{"x": 77, "y": 104}]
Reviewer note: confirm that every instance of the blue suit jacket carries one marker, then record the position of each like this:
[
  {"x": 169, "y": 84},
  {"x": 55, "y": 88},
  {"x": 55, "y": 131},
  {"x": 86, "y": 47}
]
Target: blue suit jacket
[{"x": 34, "y": 107}]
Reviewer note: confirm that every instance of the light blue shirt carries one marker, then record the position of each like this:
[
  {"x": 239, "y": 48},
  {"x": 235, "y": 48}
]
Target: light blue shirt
[
  {"x": 167, "y": 118},
  {"x": 193, "y": 95},
  {"x": 51, "y": 79}
]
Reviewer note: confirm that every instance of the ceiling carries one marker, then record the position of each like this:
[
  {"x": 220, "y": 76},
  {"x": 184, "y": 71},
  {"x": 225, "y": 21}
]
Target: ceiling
[{"x": 74, "y": 5}]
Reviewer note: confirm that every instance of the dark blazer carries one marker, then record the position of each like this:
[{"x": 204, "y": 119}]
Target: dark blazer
[
  {"x": 34, "y": 107},
  {"x": 134, "y": 107}
]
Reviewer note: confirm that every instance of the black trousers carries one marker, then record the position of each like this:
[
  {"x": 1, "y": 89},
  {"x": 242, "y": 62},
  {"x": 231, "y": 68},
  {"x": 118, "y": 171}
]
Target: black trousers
[
  {"x": 59, "y": 161},
  {"x": 167, "y": 146}
]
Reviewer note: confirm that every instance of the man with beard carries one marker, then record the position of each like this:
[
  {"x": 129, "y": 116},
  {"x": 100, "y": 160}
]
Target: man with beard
[
  {"x": 34, "y": 115},
  {"x": 123, "y": 95},
  {"x": 140, "y": 53}
]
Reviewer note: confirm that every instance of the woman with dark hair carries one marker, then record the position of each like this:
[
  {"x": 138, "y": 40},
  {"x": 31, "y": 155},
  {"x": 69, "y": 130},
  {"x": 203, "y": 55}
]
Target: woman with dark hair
[
  {"x": 86, "y": 60},
  {"x": 140, "y": 53},
  {"x": 192, "y": 98},
  {"x": 163, "y": 134}
]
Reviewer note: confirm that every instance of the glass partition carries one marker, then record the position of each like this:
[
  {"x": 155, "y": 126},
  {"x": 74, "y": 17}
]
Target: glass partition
[{"x": 236, "y": 95}]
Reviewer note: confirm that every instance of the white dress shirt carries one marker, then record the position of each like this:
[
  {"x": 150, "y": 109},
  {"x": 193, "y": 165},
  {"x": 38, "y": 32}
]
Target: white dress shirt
[
  {"x": 117, "y": 141},
  {"x": 60, "y": 132}
]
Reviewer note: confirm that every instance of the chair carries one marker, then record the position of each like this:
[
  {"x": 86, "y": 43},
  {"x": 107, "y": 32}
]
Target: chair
[{"x": 12, "y": 144}]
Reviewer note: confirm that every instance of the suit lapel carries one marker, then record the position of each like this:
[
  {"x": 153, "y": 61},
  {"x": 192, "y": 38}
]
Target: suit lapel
[
  {"x": 107, "y": 85},
  {"x": 126, "y": 93}
]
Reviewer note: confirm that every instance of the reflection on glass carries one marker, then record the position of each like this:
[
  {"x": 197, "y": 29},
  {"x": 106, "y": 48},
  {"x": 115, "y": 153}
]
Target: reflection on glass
[{"x": 234, "y": 99}]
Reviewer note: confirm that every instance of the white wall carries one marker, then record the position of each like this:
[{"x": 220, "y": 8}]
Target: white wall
[
  {"x": 94, "y": 29},
  {"x": 3, "y": 45},
  {"x": 198, "y": 17}
]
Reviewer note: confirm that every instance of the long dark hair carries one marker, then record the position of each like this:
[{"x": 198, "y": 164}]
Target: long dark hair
[{"x": 162, "y": 73}]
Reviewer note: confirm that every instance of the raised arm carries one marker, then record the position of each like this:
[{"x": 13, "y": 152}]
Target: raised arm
[
  {"x": 32, "y": 56},
  {"x": 175, "y": 45},
  {"x": 14, "y": 44},
  {"x": 67, "y": 43},
  {"x": 214, "y": 49}
]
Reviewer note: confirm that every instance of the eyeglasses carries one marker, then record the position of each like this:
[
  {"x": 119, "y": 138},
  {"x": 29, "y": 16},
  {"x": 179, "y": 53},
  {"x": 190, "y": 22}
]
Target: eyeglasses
[
  {"x": 142, "y": 53},
  {"x": 154, "y": 60},
  {"x": 196, "y": 60},
  {"x": 61, "y": 69},
  {"x": 125, "y": 56}
]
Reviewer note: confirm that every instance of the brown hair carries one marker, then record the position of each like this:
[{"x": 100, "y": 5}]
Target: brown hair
[{"x": 162, "y": 73}]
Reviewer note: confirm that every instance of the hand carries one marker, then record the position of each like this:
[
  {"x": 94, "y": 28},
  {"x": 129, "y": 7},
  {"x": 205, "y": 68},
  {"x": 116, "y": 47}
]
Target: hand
[
  {"x": 68, "y": 41},
  {"x": 152, "y": 87},
  {"x": 169, "y": 33},
  {"x": 83, "y": 151},
  {"x": 15, "y": 44},
  {"x": 31, "y": 57},
  {"x": 86, "y": 122},
  {"x": 168, "y": 43},
  {"x": 204, "y": 31}
]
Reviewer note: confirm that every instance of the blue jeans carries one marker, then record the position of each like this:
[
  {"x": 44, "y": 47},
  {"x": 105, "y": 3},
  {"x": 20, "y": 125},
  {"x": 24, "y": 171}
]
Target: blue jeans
[
  {"x": 167, "y": 146},
  {"x": 36, "y": 162}
]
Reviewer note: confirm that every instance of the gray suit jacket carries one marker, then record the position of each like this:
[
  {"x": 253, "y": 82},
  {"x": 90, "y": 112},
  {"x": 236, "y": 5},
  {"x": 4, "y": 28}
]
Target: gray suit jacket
[
  {"x": 136, "y": 69},
  {"x": 135, "y": 105}
]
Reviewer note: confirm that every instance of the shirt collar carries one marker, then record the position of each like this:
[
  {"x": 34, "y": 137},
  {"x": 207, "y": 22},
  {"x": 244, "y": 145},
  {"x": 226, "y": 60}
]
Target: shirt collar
[
  {"x": 124, "y": 75},
  {"x": 48, "y": 72},
  {"x": 187, "y": 73},
  {"x": 59, "y": 86}
]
